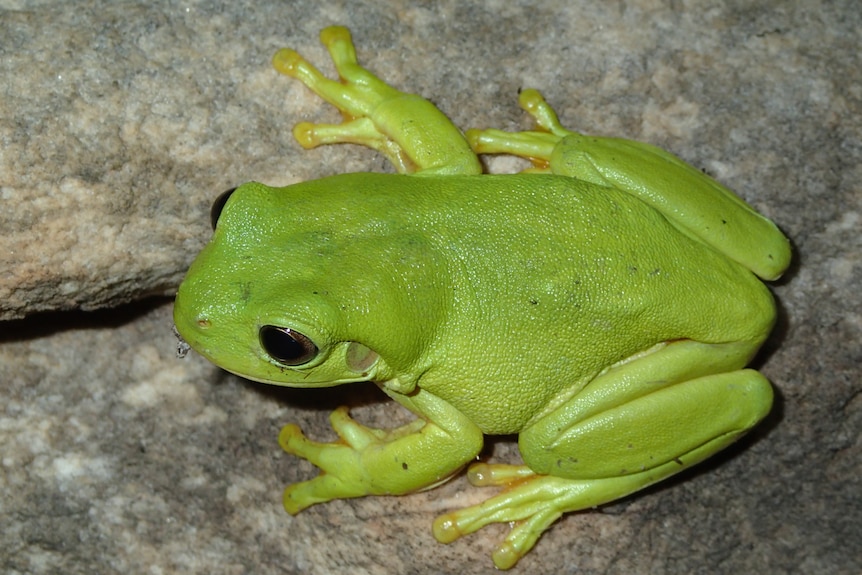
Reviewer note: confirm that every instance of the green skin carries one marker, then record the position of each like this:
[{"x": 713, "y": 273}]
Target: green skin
[{"x": 602, "y": 306}]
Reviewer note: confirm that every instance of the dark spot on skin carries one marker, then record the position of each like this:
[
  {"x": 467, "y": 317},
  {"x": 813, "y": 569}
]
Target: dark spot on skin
[
  {"x": 678, "y": 460},
  {"x": 534, "y": 302},
  {"x": 724, "y": 221},
  {"x": 404, "y": 466},
  {"x": 245, "y": 291}
]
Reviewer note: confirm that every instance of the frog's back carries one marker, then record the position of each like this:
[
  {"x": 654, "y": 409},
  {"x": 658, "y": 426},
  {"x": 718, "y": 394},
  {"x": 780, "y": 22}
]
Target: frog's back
[
  {"x": 580, "y": 275},
  {"x": 544, "y": 242},
  {"x": 555, "y": 279}
]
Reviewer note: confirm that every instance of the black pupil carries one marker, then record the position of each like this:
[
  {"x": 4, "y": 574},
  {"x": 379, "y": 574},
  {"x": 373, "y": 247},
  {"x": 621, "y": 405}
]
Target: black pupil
[
  {"x": 218, "y": 206},
  {"x": 287, "y": 346}
]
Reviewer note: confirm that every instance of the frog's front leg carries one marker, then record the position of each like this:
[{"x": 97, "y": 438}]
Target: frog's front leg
[
  {"x": 634, "y": 425},
  {"x": 368, "y": 461},
  {"x": 406, "y": 128},
  {"x": 696, "y": 204}
]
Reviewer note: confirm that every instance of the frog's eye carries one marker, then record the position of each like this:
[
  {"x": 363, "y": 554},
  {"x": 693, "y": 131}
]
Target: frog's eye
[
  {"x": 218, "y": 206},
  {"x": 286, "y": 346}
]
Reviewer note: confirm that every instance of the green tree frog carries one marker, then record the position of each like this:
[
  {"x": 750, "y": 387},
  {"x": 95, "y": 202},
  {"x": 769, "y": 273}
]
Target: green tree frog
[{"x": 601, "y": 305}]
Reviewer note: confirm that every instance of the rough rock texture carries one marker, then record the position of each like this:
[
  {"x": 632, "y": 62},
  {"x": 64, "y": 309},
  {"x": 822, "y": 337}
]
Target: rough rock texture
[{"x": 120, "y": 122}]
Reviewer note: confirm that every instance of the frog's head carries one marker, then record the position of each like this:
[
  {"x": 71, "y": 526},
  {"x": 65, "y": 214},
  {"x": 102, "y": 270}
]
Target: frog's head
[{"x": 299, "y": 287}]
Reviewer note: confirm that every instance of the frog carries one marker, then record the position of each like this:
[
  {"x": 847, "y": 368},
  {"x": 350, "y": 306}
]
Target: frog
[{"x": 601, "y": 305}]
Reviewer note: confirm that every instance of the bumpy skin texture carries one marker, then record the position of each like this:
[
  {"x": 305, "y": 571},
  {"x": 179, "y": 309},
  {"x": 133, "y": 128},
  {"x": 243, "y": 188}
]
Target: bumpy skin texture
[{"x": 602, "y": 306}]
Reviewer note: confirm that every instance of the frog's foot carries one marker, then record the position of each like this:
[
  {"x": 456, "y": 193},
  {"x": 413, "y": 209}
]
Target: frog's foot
[
  {"x": 356, "y": 98},
  {"x": 406, "y": 128},
  {"x": 365, "y": 461},
  {"x": 342, "y": 474},
  {"x": 532, "y": 502},
  {"x": 535, "y": 145}
]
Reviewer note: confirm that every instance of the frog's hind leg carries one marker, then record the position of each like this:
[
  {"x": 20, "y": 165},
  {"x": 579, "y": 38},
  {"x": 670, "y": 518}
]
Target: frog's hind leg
[
  {"x": 637, "y": 423},
  {"x": 696, "y": 204}
]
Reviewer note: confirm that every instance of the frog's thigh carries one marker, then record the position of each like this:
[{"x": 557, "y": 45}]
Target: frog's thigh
[{"x": 680, "y": 404}]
